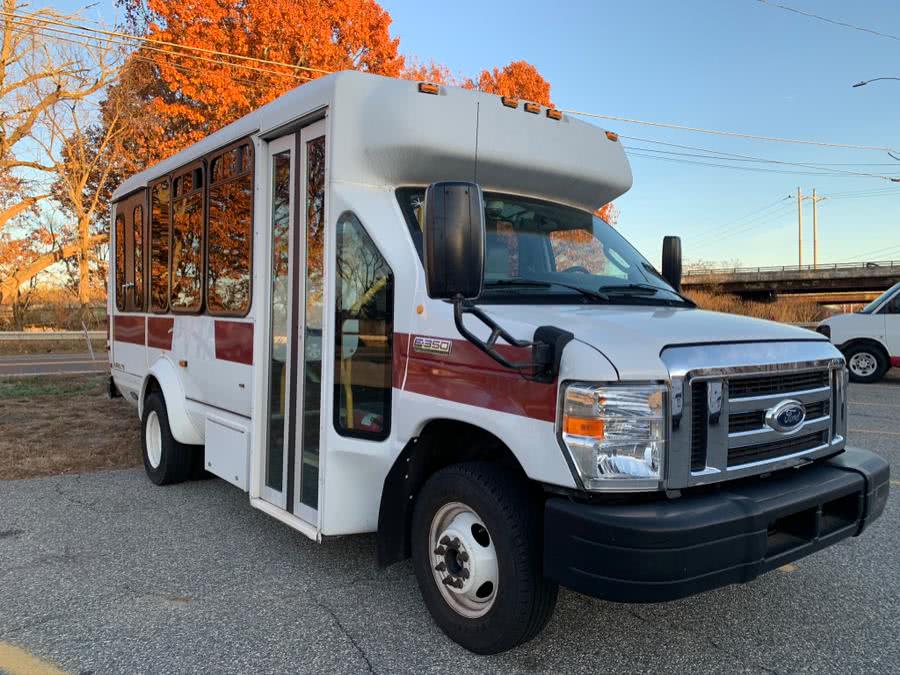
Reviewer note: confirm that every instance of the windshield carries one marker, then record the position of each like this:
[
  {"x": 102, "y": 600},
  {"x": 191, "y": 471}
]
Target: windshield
[
  {"x": 536, "y": 249},
  {"x": 876, "y": 303}
]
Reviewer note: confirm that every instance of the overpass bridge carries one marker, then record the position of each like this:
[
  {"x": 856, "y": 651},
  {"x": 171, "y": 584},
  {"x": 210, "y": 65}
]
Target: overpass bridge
[{"x": 829, "y": 284}]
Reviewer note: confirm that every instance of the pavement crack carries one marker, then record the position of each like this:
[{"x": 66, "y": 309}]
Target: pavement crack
[
  {"x": 345, "y": 633},
  {"x": 705, "y": 638}
]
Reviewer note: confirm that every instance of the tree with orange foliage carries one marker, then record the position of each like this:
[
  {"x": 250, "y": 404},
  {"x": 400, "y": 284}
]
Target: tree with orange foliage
[
  {"x": 519, "y": 79},
  {"x": 192, "y": 98}
]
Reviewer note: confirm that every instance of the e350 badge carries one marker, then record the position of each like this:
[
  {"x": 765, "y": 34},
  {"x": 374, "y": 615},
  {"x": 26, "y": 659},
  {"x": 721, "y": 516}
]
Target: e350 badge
[{"x": 432, "y": 345}]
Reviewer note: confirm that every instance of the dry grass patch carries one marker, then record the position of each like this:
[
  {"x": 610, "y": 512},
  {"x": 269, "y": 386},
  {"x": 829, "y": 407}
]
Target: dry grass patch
[
  {"x": 783, "y": 309},
  {"x": 12, "y": 347},
  {"x": 64, "y": 424}
]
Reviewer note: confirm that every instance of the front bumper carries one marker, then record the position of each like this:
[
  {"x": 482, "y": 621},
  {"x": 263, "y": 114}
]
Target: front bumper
[{"x": 669, "y": 549}]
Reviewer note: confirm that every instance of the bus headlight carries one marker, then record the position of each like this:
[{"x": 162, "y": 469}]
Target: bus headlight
[{"x": 616, "y": 435}]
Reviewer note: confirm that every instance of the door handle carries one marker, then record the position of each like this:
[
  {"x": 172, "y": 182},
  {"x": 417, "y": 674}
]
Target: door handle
[{"x": 130, "y": 284}]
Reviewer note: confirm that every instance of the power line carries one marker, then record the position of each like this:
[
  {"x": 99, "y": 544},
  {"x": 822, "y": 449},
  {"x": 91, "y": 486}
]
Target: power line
[
  {"x": 755, "y": 169},
  {"x": 82, "y": 40},
  {"x": 730, "y": 156},
  {"x": 733, "y": 134},
  {"x": 835, "y": 22},
  {"x": 752, "y": 224},
  {"x": 136, "y": 38}
]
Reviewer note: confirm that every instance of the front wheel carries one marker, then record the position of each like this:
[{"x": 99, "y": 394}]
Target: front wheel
[
  {"x": 866, "y": 364},
  {"x": 165, "y": 459},
  {"x": 477, "y": 554}
]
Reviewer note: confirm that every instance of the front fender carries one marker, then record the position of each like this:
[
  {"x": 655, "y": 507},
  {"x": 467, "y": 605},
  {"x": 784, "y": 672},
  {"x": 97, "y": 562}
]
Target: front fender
[{"x": 166, "y": 375}]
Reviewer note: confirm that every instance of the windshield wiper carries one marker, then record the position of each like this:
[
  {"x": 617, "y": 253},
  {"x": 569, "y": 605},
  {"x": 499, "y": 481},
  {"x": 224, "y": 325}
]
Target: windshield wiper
[{"x": 536, "y": 283}]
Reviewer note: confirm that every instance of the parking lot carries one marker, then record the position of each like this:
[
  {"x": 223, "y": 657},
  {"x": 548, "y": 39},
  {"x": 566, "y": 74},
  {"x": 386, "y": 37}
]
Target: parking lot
[{"x": 105, "y": 572}]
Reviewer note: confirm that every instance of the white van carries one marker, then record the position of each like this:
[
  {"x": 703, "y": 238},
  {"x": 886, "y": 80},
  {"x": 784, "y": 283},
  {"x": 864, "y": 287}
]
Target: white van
[
  {"x": 386, "y": 306},
  {"x": 869, "y": 338}
]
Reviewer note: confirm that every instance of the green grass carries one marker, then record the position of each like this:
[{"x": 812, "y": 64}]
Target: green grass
[{"x": 52, "y": 385}]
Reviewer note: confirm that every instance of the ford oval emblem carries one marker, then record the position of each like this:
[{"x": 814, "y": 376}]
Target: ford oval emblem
[{"x": 787, "y": 416}]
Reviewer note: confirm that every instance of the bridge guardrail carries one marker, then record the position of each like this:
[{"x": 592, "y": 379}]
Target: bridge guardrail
[{"x": 792, "y": 268}]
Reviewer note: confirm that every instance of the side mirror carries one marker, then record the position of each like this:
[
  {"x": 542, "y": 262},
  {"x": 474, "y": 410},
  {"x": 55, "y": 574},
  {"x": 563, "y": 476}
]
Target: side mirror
[
  {"x": 454, "y": 240},
  {"x": 671, "y": 261}
]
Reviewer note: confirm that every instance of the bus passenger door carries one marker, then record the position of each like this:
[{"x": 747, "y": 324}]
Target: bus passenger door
[{"x": 290, "y": 464}]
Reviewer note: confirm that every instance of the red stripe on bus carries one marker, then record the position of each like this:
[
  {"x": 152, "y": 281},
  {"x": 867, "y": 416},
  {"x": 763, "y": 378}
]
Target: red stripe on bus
[
  {"x": 234, "y": 341},
  {"x": 129, "y": 328},
  {"x": 159, "y": 332},
  {"x": 895, "y": 361},
  {"x": 468, "y": 375}
]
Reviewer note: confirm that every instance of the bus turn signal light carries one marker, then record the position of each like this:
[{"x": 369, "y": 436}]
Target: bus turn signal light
[
  {"x": 534, "y": 108},
  {"x": 583, "y": 426},
  {"x": 428, "y": 88},
  {"x": 554, "y": 114},
  {"x": 612, "y": 135},
  {"x": 510, "y": 101}
]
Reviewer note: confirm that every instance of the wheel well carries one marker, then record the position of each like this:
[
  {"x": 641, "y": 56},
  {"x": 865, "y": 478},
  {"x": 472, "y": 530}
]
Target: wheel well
[
  {"x": 868, "y": 342},
  {"x": 151, "y": 385},
  {"x": 442, "y": 442}
]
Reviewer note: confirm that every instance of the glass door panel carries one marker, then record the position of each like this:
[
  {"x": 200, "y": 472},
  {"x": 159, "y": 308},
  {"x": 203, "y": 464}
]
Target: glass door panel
[
  {"x": 312, "y": 151},
  {"x": 281, "y": 213}
]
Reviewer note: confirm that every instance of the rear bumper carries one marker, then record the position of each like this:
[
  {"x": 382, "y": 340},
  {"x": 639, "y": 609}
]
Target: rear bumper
[{"x": 665, "y": 550}]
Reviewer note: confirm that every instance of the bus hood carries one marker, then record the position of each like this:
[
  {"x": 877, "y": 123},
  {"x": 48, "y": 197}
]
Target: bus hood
[{"x": 633, "y": 337}]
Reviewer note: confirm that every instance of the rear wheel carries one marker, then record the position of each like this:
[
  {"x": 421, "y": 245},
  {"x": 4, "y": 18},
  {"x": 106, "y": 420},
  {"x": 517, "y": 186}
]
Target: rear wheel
[
  {"x": 866, "y": 363},
  {"x": 477, "y": 554},
  {"x": 165, "y": 459}
]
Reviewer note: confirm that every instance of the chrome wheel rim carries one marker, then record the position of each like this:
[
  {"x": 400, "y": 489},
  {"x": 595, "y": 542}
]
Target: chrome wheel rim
[
  {"x": 863, "y": 364},
  {"x": 153, "y": 439},
  {"x": 463, "y": 560}
]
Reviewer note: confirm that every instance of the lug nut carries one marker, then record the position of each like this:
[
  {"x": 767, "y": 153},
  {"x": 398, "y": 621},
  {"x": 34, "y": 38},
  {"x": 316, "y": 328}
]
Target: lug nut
[
  {"x": 445, "y": 540},
  {"x": 440, "y": 550},
  {"x": 463, "y": 556},
  {"x": 464, "y": 573},
  {"x": 440, "y": 567}
]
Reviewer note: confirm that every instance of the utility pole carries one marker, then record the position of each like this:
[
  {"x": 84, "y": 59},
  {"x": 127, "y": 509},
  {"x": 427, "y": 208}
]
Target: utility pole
[
  {"x": 815, "y": 202},
  {"x": 799, "y": 227}
]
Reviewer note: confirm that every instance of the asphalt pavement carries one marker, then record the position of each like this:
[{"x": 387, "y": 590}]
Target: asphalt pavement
[
  {"x": 54, "y": 364},
  {"x": 106, "y": 573}
]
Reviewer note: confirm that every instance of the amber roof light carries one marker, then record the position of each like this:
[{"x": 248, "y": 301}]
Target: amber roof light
[
  {"x": 612, "y": 135},
  {"x": 509, "y": 101},
  {"x": 428, "y": 88},
  {"x": 554, "y": 114},
  {"x": 534, "y": 108}
]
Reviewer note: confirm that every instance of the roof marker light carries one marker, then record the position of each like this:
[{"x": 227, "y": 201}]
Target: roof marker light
[
  {"x": 428, "y": 88},
  {"x": 612, "y": 135},
  {"x": 554, "y": 114},
  {"x": 509, "y": 101},
  {"x": 534, "y": 108}
]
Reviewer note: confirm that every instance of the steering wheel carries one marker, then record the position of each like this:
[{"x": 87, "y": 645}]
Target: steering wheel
[{"x": 578, "y": 268}]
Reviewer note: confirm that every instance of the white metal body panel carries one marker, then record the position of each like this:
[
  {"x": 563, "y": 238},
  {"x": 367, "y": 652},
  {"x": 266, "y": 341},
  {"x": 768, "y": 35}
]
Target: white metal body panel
[
  {"x": 847, "y": 327},
  {"x": 227, "y": 452}
]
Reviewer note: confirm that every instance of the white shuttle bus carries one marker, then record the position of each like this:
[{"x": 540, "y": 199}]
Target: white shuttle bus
[{"x": 386, "y": 306}]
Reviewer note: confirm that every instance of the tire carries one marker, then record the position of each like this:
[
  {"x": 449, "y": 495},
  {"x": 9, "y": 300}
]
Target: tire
[
  {"x": 166, "y": 461},
  {"x": 482, "y": 507},
  {"x": 866, "y": 363}
]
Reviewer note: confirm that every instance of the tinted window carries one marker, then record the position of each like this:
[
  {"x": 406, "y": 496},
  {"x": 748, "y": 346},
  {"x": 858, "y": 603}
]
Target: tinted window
[
  {"x": 120, "y": 261},
  {"x": 364, "y": 327},
  {"x": 138, "y": 240},
  {"x": 230, "y": 233},
  {"x": 187, "y": 250},
  {"x": 159, "y": 247}
]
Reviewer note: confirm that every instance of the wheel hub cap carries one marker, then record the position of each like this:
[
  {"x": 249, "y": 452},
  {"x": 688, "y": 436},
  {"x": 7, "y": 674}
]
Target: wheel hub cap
[
  {"x": 863, "y": 364},
  {"x": 463, "y": 560},
  {"x": 153, "y": 440}
]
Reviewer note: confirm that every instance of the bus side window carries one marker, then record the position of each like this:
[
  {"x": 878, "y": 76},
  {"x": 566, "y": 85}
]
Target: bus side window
[
  {"x": 230, "y": 234},
  {"x": 159, "y": 247},
  {"x": 187, "y": 243},
  {"x": 364, "y": 321},
  {"x": 138, "y": 242},
  {"x": 120, "y": 262}
]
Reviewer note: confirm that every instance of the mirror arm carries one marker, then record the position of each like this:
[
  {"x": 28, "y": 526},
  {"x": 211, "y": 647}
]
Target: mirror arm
[{"x": 545, "y": 353}]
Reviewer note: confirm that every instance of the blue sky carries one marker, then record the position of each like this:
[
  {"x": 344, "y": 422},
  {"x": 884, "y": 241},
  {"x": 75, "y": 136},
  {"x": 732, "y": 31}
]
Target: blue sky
[{"x": 722, "y": 64}]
